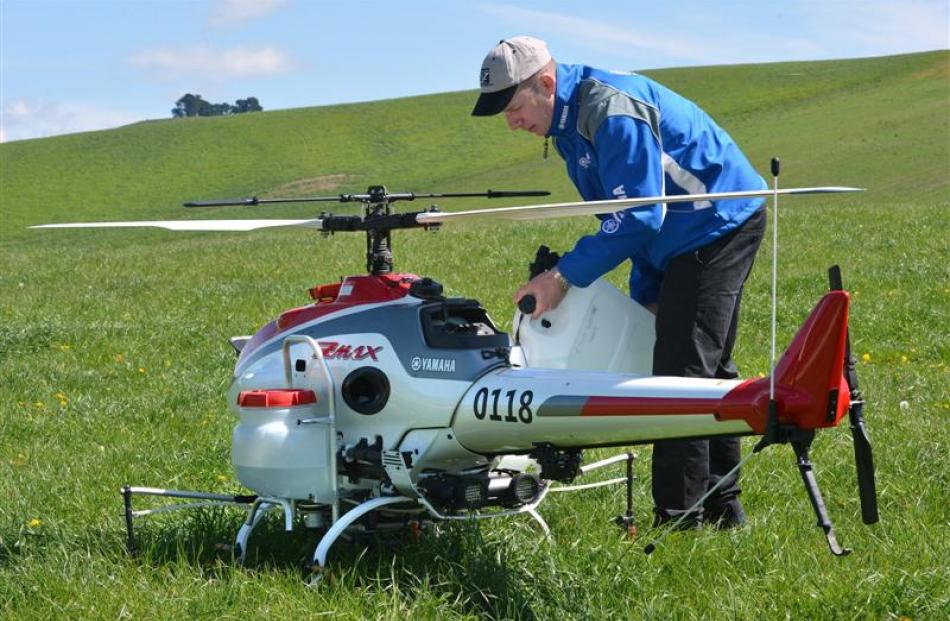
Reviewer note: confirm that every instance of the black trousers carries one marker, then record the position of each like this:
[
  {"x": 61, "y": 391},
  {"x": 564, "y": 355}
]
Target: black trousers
[{"x": 697, "y": 314}]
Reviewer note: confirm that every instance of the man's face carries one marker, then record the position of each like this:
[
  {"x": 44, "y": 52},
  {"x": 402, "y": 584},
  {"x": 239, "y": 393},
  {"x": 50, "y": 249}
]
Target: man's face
[{"x": 531, "y": 111}]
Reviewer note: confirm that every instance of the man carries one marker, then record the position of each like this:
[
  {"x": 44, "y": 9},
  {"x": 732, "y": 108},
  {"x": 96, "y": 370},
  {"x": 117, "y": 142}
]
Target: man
[{"x": 624, "y": 135}]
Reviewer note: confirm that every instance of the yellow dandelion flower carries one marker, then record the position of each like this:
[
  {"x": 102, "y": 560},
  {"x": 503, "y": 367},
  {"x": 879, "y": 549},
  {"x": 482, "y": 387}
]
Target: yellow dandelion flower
[
  {"x": 222, "y": 478},
  {"x": 761, "y": 374},
  {"x": 141, "y": 370},
  {"x": 904, "y": 359},
  {"x": 63, "y": 400},
  {"x": 36, "y": 523},
  {"x": 866, "y": 358},
  {"x": 64, "y": 347},
  {"x": 39, "y": 405},
  {"x": 119, "y": 358}
]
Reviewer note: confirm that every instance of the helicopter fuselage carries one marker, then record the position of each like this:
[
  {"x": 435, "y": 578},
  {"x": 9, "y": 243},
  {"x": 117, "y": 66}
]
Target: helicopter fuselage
[{"x": 431, "y": 378}]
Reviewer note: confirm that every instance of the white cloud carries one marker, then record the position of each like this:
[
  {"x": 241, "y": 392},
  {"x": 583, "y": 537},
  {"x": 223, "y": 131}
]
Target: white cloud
[
  {"x": 885, "y": 27},
  {"x": 21, "y": 119},
  {"x": 677, "y": 40},
  {"x": 680, "y": 34},
  {"x": 171, "y": 63},
  {"x": 228, "y": 13},
  {"x": 602, "y": 36}
]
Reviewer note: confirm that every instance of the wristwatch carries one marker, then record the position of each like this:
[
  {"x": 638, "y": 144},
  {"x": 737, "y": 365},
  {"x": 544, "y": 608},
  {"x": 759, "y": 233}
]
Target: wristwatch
[{"x": 559, "y": 277}]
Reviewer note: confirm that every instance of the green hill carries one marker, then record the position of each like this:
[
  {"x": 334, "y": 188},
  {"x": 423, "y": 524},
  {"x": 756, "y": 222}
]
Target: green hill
[
  {"x": 114, "y": 359},
  {"x": 856, "y": 121}
]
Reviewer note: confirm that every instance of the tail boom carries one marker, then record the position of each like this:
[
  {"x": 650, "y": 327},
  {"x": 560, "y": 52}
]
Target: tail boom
[{"x": 514, "y": 409}]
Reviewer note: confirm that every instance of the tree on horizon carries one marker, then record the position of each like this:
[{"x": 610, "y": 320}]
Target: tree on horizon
[{"x": 193, "y": 105}]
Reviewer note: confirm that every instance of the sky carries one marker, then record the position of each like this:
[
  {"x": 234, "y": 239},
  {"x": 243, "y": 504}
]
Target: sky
[{"x": 78, "y": 65}]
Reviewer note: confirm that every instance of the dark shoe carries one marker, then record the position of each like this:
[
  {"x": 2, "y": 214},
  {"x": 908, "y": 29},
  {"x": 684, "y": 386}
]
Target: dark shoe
[
  {"x": 662, "y": 517},
  {"x": 724, "y": 517}
]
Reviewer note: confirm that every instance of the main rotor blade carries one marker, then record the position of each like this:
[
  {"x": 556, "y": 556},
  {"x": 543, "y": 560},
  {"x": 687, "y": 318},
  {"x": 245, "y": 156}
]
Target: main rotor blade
[
  {"x": 351, "y": 198},
  {"x": 342, "y": 198},
  {"x": 190, "y": 225},
  {"x": 488, "y": 194},
  {"x": 582, "y": 208}
]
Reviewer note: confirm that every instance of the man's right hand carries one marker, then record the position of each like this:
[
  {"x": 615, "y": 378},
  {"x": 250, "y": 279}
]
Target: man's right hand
[{"x": 547, "y": 292}]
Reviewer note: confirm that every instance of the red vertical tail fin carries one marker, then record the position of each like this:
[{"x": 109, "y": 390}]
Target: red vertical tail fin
[
  {"x": 810, "y": 374},
  {"x": 810, "y": 388}
]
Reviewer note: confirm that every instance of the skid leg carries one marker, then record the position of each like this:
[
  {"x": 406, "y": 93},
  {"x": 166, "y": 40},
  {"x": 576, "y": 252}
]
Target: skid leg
[
  {"x": 540, "y": 520},
  {"x": 626, "y": 521},
  {"x": 127, "y": 501},
  {"x": 254, "y": 515},
  {"x": 323, "y": 548}
]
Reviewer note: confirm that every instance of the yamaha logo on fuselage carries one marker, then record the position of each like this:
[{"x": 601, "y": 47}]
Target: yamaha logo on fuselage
[{"x": 432, "y": 365}]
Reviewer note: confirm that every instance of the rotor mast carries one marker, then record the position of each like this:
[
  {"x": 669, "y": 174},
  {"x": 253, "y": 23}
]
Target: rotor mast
[{"x": 379, "y": 255}]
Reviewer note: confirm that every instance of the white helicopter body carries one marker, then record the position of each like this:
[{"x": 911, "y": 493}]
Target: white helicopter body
[{"x": 384, "y": 397}]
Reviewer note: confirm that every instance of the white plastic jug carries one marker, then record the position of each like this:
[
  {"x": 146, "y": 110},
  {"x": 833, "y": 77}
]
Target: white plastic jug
[{"x": 595, "y": 328}]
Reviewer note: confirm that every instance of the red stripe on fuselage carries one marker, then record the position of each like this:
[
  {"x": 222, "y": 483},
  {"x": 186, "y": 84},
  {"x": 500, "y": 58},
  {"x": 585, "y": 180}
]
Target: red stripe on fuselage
[
  {"x": 646, "y": 406},
  {"x": 353, "y": 291}
]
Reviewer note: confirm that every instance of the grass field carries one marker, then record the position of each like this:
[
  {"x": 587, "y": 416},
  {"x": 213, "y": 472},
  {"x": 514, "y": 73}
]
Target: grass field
[{"x": 114, "y": 360}]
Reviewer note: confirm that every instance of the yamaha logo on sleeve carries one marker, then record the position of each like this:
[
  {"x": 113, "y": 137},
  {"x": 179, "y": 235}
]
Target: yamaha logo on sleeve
[{"x": 610, "y": 225}]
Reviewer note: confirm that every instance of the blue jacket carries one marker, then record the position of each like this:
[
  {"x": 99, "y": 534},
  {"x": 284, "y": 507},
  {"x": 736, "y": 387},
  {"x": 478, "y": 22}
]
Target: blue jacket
[{"x": 624, "y": 135}]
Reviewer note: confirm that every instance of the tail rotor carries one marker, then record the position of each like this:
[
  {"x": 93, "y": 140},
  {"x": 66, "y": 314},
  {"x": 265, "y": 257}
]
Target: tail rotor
[{"x": 863, "y": 456}]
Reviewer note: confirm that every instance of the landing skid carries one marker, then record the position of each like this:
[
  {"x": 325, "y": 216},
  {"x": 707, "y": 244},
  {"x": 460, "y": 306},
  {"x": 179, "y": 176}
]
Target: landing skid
[{"x": 318, "y": 515}]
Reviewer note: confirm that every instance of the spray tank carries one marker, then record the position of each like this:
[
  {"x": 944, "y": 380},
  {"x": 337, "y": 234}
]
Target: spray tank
[{"x": 594, "y": 328}]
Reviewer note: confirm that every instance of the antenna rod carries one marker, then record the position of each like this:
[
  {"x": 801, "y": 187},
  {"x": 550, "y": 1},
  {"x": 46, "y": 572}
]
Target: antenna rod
[{"x": 776, "y": 168}]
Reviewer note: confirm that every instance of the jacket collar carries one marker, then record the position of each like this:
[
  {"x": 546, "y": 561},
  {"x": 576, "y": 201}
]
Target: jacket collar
[{"x": 565, "y": 100}]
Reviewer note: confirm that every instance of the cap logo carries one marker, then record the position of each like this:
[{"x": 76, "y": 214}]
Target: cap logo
[{"x": 486, "y": 76}]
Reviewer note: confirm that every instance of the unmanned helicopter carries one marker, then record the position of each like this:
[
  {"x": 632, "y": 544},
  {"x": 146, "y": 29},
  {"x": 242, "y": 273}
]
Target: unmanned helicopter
[{"x": 385, "y": 404}]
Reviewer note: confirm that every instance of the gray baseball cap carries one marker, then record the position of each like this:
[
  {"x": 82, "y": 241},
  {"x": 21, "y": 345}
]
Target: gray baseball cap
[{"x": 507, "y": 65}]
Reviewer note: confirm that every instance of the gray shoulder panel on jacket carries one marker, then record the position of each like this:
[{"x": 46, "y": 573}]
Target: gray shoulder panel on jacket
[{"x": 597, "y": 101}]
